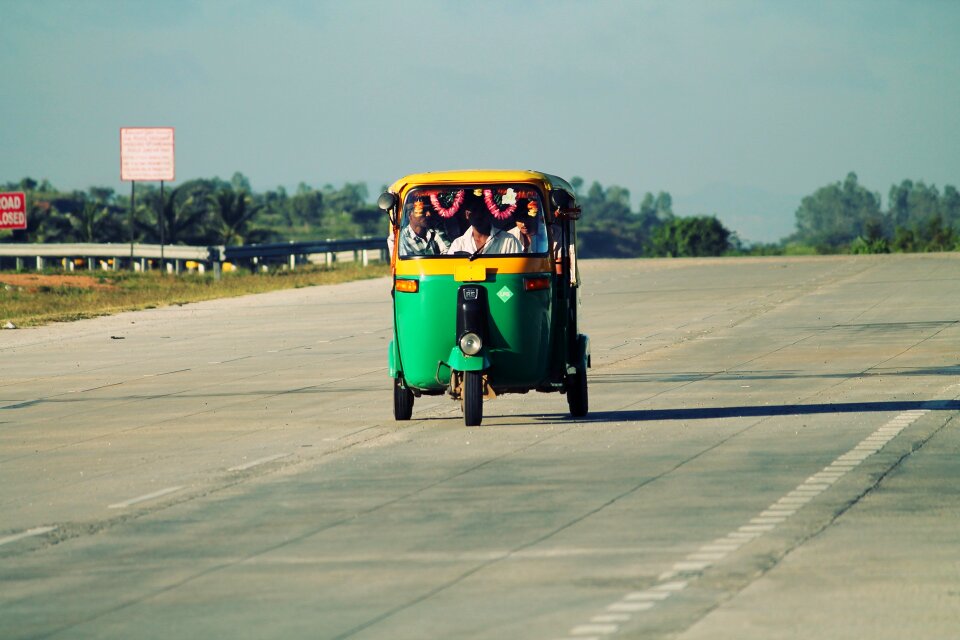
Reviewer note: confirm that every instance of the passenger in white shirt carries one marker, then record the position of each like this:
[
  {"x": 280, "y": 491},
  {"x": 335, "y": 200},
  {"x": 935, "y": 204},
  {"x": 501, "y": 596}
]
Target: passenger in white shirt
[
  {"x": 530, "y": 233},
  {"x": 481, "y": 236}
]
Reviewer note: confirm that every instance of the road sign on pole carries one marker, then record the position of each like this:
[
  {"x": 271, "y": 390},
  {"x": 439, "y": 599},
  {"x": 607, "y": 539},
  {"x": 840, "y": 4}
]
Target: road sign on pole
[
  {"x": 146, "y": 154},
  {"x": 13, "y": 210}
]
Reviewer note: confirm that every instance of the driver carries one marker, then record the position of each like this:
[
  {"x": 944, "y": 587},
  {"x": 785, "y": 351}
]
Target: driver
[
  {"x": 418, "y": 238},
  {"x": 481, "y": 237}
]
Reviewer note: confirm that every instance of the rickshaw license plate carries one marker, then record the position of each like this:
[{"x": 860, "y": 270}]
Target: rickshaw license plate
[{"x": 470, "y": 273}]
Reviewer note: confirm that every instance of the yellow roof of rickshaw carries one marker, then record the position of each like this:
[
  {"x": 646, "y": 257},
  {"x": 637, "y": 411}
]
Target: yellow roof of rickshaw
[{"x": 480, "y": 176}]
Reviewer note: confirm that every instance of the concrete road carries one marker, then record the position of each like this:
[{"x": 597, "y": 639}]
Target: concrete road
[{"x": 772, "y": 452}]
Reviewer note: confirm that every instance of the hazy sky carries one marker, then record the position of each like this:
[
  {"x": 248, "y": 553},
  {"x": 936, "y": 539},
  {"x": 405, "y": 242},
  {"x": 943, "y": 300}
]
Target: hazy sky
[{"x": 753, "y": 104}]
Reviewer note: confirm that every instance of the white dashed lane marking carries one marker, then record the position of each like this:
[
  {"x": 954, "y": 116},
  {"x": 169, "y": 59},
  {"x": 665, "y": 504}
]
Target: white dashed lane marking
[
  {"x": 647, "y": 595},
  {"x": 611, "y": 617},
  {"x": 144, "y": 498},
  {"x": 29, "y": 533},
  {"x": 630, "y": 606},
  {"x": 767, "y": 520},
  {"x": 258, "y": 462},
  {"x": 587, "y": 629}
]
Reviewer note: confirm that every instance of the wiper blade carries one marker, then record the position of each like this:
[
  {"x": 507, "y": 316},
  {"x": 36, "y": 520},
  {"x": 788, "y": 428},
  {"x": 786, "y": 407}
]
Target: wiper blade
[{"x": 476, "y": 254}]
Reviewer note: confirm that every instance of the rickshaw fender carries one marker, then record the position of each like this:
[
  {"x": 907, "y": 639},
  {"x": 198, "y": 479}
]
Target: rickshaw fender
[
  {"x": 393, "y": 360},
  {"x": 583, "y": 351},
  {"x": 458, "y": 361}
]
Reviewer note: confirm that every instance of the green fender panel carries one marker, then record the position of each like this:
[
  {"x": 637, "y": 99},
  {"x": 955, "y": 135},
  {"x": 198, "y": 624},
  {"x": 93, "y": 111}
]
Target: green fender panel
[
  {"x": 392, "y": 359},
  {"x": 460, "y": 362}
]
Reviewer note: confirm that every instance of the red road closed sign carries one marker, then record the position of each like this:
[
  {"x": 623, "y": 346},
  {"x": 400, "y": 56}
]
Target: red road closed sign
[{"x": 13, "y": 210}]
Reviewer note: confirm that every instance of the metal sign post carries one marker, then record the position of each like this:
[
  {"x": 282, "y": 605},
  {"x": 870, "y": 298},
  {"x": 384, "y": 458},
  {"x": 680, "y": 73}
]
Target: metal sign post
[
  {"x": 163, "y": 223},
  {"x": 133, "y": 185}
]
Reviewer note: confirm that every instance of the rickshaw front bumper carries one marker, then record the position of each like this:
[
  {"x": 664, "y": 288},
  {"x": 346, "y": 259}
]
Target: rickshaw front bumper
[{"x": 459, "y": 361}]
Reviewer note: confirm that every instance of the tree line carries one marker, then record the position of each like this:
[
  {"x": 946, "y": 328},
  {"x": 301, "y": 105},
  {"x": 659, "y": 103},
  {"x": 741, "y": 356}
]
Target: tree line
[
  {"x": 843, "y": 217},
  {"x": 846, "y": 217},
  {"x": 196, "y": 212},
  {"x": 610, "y": 228},
  {"x": 215, "y": 212}
]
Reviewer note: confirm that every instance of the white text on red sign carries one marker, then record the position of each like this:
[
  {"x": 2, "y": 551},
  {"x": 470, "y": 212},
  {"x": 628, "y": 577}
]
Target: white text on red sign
[{"x": 13, "y": 210}]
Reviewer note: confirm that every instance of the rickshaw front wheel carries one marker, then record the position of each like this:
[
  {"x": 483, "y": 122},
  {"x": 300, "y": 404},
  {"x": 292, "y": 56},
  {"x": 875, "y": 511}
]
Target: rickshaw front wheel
[
  {"x": 577, "y": 398},
  {"x": 472, "y": 398},
  {"x": 402, "y": 401}
]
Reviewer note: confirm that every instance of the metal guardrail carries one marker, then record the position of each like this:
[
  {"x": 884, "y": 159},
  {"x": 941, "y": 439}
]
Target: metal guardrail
[
  {"x": 289, "y": 252},
  {"x": 109, "y": 250},
  {"x": 286, "y": 249}
]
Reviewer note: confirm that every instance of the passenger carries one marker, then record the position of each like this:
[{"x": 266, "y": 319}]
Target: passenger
[
  {"x": 557, "y": 233},
  {"x": 419, "y": 237},
  {"x": 481, "y": 237},
  {"x": 528, "y": 230}
]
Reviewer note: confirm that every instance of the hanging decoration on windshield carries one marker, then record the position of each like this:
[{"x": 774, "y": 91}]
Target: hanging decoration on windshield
[
  {"x": 452, "y": 210},
  {"x": 494, "y": 208}
]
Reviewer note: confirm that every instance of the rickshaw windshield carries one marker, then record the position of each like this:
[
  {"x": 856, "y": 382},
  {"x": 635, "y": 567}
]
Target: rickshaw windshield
[{"x": 471, "y": 220}]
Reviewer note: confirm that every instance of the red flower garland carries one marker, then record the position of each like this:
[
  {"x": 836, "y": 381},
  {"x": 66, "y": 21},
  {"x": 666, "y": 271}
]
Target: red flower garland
[
  {"x": 494, "y": 208},
  {"x": 447, "y": 213}
]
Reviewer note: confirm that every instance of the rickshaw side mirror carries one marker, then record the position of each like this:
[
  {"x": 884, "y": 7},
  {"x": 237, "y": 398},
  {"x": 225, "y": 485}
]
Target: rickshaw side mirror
[
  {"x": 561, "y": 199},
  {"x": 388, "y": 202},
  {"x": 564, "y": 204}
]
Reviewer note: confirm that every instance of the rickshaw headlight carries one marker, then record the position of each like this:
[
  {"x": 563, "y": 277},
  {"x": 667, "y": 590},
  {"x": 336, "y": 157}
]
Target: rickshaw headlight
[{"x": 470, "y": 343}]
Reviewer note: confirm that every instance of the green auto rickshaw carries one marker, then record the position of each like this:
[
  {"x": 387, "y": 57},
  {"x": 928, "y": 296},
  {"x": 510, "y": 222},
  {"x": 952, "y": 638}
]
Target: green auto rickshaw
[{"x": 484, "y": 289}]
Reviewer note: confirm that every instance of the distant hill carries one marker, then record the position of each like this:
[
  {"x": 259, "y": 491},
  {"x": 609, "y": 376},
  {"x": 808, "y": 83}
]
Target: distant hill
[{"x": 754, "y": 214}]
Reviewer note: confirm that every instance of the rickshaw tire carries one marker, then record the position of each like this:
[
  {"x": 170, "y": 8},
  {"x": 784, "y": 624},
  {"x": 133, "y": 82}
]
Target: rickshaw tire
[
  {"x": 472, "y": 398},
  {"x": 402, "y": 401},
  {"x": 577, "y": 396}
]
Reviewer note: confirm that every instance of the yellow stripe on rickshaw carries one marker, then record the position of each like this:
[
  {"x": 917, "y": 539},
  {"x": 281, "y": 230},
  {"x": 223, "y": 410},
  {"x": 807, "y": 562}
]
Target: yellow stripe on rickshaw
[{"x": 470, "y": 270}]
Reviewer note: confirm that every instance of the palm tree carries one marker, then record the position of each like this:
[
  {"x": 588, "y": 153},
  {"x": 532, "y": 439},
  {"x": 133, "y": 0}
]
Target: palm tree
[
  {"x": 181, "y": 215},
  {"x": 87, "y": 224},
  {"x": 232, "y": 213}
]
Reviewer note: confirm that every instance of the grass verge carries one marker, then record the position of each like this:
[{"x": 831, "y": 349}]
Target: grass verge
[{"x": 28, "y": 299}]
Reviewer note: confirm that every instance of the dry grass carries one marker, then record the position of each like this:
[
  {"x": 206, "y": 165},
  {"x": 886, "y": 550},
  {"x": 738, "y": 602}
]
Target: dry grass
[{"x": 35, "y": 299}]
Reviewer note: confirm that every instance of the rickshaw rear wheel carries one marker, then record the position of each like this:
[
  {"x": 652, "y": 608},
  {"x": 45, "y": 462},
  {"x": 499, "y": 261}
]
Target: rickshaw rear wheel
[
  {"x": 577, "y": 398},
  {"x": 402, "y": 401},
  {"x": 472, "y": 398}
]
